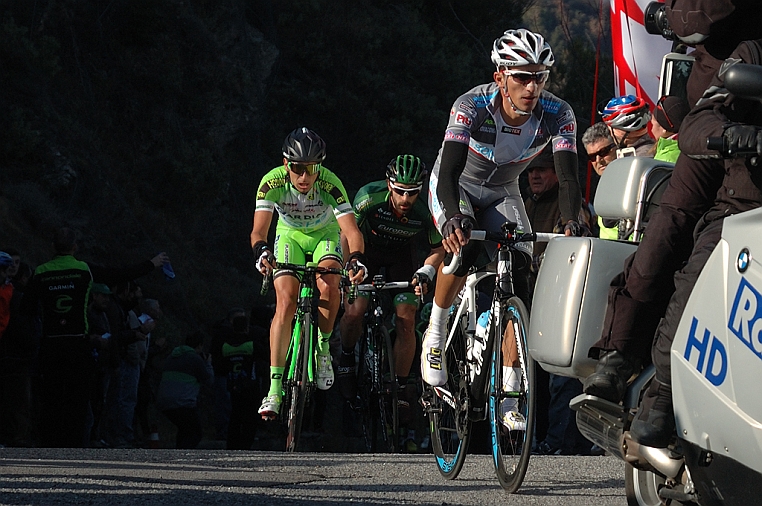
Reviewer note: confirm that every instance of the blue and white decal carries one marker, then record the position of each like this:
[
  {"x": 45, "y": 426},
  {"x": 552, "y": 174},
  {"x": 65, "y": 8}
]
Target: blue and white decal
[{"x": 745, "y": 320}]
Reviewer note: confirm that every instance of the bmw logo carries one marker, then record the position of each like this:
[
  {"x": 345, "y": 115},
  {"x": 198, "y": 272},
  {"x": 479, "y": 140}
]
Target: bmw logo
[{"x": 743, "y": 260}]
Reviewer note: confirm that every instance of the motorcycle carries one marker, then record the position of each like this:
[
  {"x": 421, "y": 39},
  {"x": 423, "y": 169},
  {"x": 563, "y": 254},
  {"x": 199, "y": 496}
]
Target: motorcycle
[{"x": 715, "y": 357}]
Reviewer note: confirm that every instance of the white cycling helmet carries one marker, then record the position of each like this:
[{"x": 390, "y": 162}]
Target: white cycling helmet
[{"x": 521, "y": 47}]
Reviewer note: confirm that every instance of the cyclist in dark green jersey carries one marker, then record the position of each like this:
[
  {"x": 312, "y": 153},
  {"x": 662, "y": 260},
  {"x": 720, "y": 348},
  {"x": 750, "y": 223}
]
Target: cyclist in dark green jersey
[
  {"x": 398, "y": 230},
  {"x": 313, "y": 208}
]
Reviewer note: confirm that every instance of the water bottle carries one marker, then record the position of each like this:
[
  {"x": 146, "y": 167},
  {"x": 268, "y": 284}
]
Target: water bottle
[{"x": 169, "y": 274}]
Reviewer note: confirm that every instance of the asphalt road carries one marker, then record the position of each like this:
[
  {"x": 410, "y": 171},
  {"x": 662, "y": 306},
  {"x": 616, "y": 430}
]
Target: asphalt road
[{"x": 217, "y": 477}]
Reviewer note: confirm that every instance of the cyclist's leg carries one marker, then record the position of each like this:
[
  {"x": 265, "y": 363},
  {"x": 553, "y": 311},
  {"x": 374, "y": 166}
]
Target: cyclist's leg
[
  {"x": 328, "y": 254},
  {"x": 405, "y": 306},
  {"x": 433, "y": 367},
  {"x": 286, "y": 283},
  {"x": 350, "y": 327}
]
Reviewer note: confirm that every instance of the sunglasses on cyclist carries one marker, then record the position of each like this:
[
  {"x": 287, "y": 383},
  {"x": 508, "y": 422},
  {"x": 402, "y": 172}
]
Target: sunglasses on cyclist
[
  {"x": 523, "y": 77},
  {"x": 404, "y": 192},
  {"x": 301, "y": 168},
  {"x": 601, "y": 152}
]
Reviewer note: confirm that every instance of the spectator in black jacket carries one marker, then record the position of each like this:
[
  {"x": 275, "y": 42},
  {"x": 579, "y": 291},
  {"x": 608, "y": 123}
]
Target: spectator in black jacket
[{"x": 184, "y": 371}]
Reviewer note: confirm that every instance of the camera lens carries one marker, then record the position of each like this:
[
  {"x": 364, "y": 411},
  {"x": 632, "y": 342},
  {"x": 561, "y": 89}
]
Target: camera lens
[{"x": 654, "y": 18}]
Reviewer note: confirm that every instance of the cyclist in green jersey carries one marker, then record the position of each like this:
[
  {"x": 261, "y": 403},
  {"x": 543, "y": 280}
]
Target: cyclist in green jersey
[
  {"x": 398, "y": 230},
  {"x": 313, "y": 209}
]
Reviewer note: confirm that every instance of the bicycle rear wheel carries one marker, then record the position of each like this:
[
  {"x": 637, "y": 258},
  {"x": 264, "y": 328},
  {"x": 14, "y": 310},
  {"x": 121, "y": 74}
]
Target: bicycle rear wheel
[
  {"x": 449, "y": 423},
  {"x": 511, "y": 449},
  {"x": 299, "y": 384}
]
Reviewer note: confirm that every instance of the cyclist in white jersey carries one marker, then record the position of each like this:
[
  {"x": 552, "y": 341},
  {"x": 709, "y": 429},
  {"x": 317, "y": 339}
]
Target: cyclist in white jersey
[{"x": 494, "y": 131}]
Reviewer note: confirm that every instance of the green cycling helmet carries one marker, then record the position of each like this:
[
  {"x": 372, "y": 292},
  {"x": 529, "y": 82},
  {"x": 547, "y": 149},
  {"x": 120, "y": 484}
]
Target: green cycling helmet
[{"x": 406, "y": 169}]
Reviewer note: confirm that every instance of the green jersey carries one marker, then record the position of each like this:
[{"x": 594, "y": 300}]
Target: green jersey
[
  {"x": 382, "y": 226},
  {"x": 317, "y": 209}
]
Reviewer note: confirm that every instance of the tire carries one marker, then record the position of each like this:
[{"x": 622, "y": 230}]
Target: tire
[
  {"x": 367, "y": 396},
  {"x": 298, "y": 388},
  {"x": 377, "y": 391},
  {"x": 449, "y": 423},
  {"x": 511, "y": 449},
  {"x": 386, "y": 386},
  {"x": 642, "y": 488}
]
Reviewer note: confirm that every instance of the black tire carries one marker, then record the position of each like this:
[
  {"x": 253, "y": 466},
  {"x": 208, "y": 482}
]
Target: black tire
[
  {"x": 642, "y": 488},
  {"x": 298, "y": 388},
  {"x": 386, "y": 385},
  {"x": 377, "y": 392},
  {"x": 366, "y": 395},
  {"x": 511, "y": 449},
  {"x": 449, "y": 423}
]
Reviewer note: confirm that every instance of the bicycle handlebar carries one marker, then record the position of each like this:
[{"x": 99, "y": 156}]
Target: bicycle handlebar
[
  {"x": 316, "y": 269},
  {"x": 500, "y": 237}
]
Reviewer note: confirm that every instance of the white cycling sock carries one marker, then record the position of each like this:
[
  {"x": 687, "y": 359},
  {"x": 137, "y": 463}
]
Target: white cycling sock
[
  {"x": 511, "y": 383},
  {"x": 437, "y": 325}
]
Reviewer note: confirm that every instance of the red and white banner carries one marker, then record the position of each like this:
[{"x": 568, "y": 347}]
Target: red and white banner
[{"x": 637, "y": 53}]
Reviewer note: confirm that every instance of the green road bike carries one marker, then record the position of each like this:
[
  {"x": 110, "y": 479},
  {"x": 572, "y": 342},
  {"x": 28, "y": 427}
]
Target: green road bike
[{"x": 299, "y": 376}]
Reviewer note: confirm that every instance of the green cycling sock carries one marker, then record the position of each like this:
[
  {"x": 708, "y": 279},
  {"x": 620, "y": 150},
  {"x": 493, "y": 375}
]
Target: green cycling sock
[
  {"x": 324, "y": 347},
  {"x": 276, "y": 381}
]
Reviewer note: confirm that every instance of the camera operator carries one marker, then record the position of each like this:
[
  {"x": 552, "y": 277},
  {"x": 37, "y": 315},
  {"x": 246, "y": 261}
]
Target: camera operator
[{"x": 638, "y": 297}]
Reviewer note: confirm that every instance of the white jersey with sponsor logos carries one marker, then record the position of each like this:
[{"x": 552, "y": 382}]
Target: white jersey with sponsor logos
[{"x": 497, "y": 152}]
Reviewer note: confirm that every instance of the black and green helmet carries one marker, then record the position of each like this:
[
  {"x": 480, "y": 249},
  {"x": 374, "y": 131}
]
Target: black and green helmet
[{"x": 406, "y": 169}]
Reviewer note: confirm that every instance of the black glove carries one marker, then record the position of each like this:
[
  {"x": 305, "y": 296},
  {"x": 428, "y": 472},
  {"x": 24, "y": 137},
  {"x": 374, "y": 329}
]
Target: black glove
[
  {"x": 743, "y": 139},
  {"x": 573, "y": 226},
  {"x": 458, "y": 221},
  {"x": 263, "y": 254}
]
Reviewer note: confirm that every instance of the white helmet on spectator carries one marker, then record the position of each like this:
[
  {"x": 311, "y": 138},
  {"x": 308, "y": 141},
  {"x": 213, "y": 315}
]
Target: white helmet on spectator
[{"x": 521, "y": 47}]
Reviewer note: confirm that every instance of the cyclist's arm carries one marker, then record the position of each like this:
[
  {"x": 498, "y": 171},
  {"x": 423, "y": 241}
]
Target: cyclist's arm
[
  {"x": 352, "y": 234},
  {"x": 436, "y": 257},
  {"x": 453, "y": 162},
  {"x": 355, "y": 242},
  {"x": 569, "y": 193},
  {"x": 564, "y": 145},
  {"x": 261, "y": 226}
]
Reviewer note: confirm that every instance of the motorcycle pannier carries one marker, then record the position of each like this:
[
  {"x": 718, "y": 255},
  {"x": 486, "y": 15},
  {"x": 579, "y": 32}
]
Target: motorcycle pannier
[{"x": 569, "y": 302}]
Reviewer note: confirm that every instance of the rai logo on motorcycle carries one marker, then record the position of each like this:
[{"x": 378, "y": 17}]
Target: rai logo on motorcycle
[{"x": 745, "y": 320}]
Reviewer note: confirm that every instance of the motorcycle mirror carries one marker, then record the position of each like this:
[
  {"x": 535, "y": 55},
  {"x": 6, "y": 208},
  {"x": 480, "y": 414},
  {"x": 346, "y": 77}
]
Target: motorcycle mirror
[{"x": 745, "y": 81}]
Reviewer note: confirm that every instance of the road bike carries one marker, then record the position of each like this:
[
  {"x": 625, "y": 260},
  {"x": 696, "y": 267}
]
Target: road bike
[
  {"x": 476, "y": 366},
  {"x": 376, "y": 382},
  {"x": 299, "y": 376}
]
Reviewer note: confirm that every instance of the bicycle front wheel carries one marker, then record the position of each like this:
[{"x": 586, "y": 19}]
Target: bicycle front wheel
[
  {"x": 298, "y": 386},
  {"x": 449, "y": 423},
  {"x": 386, "y": 382},
  {"x": 511, "y": 399}
]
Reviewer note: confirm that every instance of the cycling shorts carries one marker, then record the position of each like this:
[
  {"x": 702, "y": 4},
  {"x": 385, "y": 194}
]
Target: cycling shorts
[
  {"x": 296, "y": 247},
  {"x": 490, "y": 207}
]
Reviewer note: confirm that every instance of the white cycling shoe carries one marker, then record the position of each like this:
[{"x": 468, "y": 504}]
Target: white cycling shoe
[
  {"x": 324, "y": 372},
  {"x": 433, "y": 365},
  {"x": 270, "y": 407},
  {"x": 509, "y": 417}
]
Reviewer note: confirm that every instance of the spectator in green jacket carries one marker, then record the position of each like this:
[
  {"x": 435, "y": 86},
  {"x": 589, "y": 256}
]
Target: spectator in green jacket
[{"x": 665, "y": 126}]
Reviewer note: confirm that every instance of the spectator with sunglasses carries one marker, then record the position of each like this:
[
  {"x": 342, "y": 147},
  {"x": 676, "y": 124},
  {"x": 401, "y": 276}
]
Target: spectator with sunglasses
[
  {"x": 601, "y": 151},
  {"x": 313, "y": 209},
  {"x": 494, "y": 132},
  {"x": 391, "y": 217},
  {"x": 665, "y": 126}
]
